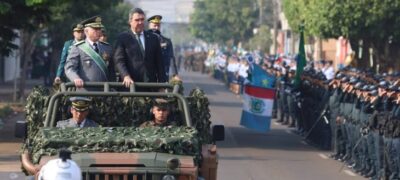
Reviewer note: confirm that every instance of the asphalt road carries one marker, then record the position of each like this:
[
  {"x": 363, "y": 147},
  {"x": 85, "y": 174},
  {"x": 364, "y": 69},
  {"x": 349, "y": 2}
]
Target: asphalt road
[
  {"x": 244, "y": 155},
  {"x": 10, "y": 167},
  {"x": 248, "y": 155}
]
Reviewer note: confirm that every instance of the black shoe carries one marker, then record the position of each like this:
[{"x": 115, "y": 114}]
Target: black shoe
[
  {"x": 337, "y": 158},
  {"x": 349, "y": 163},
  {"x": 343, "y": 158},
  {"x": 292, "y": 125},
  {"x": 365, "y": 171},
  {"x": 359, "y": 171},
  {"x": 359, "y": 167},
  {"x": 333, "y": 156},
  {"x": 346, "y": 157},
  {"x": 394, "y": 176},
  {"x": 371, "y": 173},
  {"x": 340, "y": 157}
]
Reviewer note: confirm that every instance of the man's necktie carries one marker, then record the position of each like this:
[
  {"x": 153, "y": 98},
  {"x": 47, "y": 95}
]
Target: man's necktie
[
  {"x": 96, "y": 48},
  {"x": 140, "y": 43}
]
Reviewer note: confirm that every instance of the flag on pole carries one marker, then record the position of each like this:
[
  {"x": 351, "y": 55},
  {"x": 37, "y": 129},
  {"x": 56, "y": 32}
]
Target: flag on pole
[
  {"x": 257, "y": 108},
  {"x": 301, "y": 58},
  {"x": 261, "y": 78}
]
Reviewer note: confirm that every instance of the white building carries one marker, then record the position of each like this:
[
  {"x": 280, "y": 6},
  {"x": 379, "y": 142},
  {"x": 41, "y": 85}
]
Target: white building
[{"x": 9, "y": 66}]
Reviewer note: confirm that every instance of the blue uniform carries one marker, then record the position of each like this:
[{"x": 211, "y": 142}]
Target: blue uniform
[{"x": 167, "y": 54}]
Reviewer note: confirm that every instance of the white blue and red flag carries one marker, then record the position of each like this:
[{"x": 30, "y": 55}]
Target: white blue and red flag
[{"x": 257, "y": 108}]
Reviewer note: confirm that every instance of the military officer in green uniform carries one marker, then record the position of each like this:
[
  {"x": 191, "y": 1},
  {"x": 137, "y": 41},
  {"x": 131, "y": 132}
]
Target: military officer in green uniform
[
  {"x": 77, "y": 30},
  {"x": 90, "y": 60},
  {"x": 167, "y": 49},
  {"x": 160, "y": 112}
]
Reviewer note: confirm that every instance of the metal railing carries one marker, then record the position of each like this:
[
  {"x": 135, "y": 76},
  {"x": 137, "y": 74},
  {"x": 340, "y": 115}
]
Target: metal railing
[
  {"x": 67, "y": 90},
  {"x": 133, "y": 176}
]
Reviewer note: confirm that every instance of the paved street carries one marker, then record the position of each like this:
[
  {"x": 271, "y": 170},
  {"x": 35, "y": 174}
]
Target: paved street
[
  {"x": 244, "y": 154},
  {"x": 10, "y": 167}
]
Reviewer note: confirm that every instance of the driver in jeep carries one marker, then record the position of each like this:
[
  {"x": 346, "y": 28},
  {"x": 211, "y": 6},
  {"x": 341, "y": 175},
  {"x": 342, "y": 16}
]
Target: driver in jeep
[{"x": 160, "y": 112}]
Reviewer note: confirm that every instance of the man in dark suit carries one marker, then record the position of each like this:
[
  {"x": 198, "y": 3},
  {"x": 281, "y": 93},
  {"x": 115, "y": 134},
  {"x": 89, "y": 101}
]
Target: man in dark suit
[
  {"x": 79, "y": 111},
  {"x": 137, "y": 54}
]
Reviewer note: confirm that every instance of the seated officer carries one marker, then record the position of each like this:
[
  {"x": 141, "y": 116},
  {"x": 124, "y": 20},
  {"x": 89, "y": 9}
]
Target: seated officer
[
  {"x": 79, "y": 111},
  {"x": 160, "y": 111}
]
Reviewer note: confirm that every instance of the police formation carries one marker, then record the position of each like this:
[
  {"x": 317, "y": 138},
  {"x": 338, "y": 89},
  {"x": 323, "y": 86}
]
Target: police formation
[{"x": 357, "y": 114}]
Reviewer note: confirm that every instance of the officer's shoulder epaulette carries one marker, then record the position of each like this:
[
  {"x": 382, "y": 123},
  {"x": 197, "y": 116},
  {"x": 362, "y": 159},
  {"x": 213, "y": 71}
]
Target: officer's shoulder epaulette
[
  {"x": 79, "y": 43},
  {"x": 104, "y": 42},
  {"x": 165, "y": 38}
]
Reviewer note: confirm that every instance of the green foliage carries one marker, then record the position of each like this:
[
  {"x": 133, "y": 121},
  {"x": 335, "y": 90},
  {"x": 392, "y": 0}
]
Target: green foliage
[
  {"x": 376, "y": 22},
  {"x": 16, "y": 15},
  {"x": 67, "y": 13},
  {"x": 57, "y": 16},
  {"x": 116, "y": 20},
  {"x": 354, "y": 19},
  {"x": 4, "y": 7},
  {"x": 5, "y": 111},
  {"x": 262, "y": 40},
  {"x": 223, "y": 20},
  {"x": 34, "y": 2}
]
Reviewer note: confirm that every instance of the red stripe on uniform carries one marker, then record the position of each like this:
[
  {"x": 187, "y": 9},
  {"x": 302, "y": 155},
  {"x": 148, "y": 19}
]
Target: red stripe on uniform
[{"x": 259, "y": 92}]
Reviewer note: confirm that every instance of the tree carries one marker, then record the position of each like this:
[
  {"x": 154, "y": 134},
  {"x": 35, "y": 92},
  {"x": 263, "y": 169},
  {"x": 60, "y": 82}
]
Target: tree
[
  {"x": 218, "y": 21},
  {"x": 261, "y": 40},
  {"x": 374, "y": 22},
  {"x": 20, "y": 18},
  {"x": 32, "y": 17},
  {"x": 116, "y": 20},
  {"x": 15, "y": 15}
]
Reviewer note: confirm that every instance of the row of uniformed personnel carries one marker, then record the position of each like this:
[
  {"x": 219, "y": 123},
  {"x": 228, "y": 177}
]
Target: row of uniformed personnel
[
  {"x": 138, "y": 55},
  {"x": 362, "y": 111}
]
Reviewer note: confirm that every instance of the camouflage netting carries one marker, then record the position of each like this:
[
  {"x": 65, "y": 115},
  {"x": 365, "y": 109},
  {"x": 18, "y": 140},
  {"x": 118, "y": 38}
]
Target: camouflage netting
[
  {"x": 36, "y": 107},
  {"x": 200, "y": 114},
  {"x": 173, "y": 140},
  {"x": 179, "y": 83},
  {"x": 120, "y": 112}
]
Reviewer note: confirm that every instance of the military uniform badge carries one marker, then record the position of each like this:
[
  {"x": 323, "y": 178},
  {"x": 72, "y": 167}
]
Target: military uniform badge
[
  {"x": 163, "y": 45},
  {"x": 106, "y": 57}
]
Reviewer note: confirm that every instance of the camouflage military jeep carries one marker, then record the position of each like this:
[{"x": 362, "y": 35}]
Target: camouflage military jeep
[{"x": 118, "y": 148}]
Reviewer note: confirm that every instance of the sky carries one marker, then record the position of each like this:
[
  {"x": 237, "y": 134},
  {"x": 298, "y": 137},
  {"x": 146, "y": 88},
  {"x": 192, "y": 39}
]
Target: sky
[{"x": 173, "y": 11}]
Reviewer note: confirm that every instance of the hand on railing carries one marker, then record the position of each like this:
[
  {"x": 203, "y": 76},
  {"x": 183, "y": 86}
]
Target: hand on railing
[
  {"x": 127, "y": 81},
  {"x": 78, "y": 83}
]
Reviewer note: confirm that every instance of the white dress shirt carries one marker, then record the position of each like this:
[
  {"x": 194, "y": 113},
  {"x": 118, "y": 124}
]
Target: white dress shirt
[{"x": 141, "y": 37}]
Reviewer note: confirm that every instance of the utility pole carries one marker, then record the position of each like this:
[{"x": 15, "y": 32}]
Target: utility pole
[
  {"x": 260, "y": 12},
  {"x": 275, "y": 25}
]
